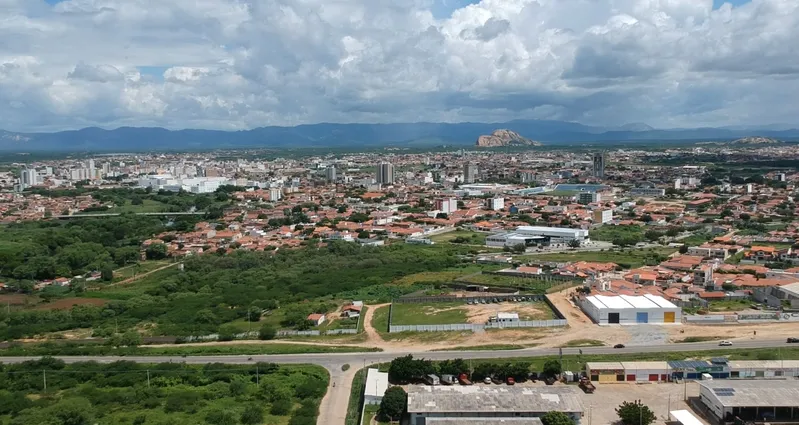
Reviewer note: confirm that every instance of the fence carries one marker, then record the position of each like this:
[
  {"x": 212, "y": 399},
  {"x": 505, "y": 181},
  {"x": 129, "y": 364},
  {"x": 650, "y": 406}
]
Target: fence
[
  {"x": 298, "y": 333},
  {"x": 474, "y": 327},
  {"x": 466, "y": 300}
]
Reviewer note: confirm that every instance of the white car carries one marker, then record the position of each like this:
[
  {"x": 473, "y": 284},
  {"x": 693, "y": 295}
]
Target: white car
[{"x": 725, "y": 343}]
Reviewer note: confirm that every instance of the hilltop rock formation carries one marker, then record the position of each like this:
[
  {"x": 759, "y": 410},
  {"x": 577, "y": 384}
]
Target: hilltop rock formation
[
  {"x": 755, "y": 140},
  {"x": 504, "y": 138}
]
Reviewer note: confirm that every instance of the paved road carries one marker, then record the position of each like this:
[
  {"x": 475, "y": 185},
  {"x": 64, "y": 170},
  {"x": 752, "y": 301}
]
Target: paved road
[{"x": 333, "y": 407}]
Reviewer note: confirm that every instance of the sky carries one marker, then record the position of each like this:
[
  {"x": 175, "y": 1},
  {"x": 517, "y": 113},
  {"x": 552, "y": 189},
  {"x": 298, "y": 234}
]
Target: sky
[{"x": 240, "y": 64}]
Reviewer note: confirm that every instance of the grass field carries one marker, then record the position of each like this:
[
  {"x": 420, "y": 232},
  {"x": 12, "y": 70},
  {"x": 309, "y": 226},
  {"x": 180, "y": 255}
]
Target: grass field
[
  {"x": 137, "y": 269},
  {"x": 471, "y": 238},
  {"x": 729, "y": 305},
  {"x": 138, "y": 288},
  {"x": 491, "y": 347},
  {"x": 627, "y": 259},
  {"x": 584, "y": 343},
  {"x": 531, "y": 285},
  {"x": 147, "y": 206},
  {"x": 444, "y": 276},
  {"x": 428, "y": 314}
]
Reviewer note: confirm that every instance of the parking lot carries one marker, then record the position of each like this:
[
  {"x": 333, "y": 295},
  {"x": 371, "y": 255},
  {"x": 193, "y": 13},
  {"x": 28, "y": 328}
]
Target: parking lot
[{"x": 600, "y": 407}]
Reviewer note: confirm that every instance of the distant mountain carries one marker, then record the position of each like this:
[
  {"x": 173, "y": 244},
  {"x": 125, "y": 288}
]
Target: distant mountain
[
  {"x": 504, "y": 138},
  {"x": 357, "y": 135}
]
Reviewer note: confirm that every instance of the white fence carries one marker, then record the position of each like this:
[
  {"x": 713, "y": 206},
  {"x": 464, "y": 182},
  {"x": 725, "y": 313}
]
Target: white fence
[
  {"x": 297, "y": 333},
  {"x": 476, "y": 327},
  {"x": 710, "y": 318}
]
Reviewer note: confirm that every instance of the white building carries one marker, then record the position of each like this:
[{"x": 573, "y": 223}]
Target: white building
[
  {"x": 538, "y": 235},
  {"x": 496, "y": 204},
  {"x": 588, "y": 197},
  {"x": 631, "y": 310},
  {"x": 602, "y": 216},
  {"x": 447, "y": 206},
  {"x": 773, "y": 400},
  {"x": 376, "y": 386}
]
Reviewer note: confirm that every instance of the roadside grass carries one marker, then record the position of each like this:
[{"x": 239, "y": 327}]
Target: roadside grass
[
  {"x": 627, "y": 259},
  {"x": 67, "y": 349},
  {"x": 356, "y": 397},
  {"x": 584, "y": 343},
  {"x": 698, "y": 339},
  {"x": 490, "y": 347},
  {"x": 429, "y": 314}
]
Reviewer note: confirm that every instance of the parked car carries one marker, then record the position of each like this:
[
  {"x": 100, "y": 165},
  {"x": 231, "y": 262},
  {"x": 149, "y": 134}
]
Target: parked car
[
  {"x": 725, "y": 343},
  {"x": 496, "y": 380},
  {"x": 511, "y": 381},
  {"x": 618, "y": 346},
  {"x": 487, "y": 380},
  {"x": 792, "y": 340}
]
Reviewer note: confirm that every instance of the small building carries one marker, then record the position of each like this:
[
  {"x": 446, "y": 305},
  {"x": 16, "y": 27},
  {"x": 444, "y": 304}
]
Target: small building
[
  {"x": 692, "y": 369},
  {"x": 605, "y": 371},
  {"x": 351, "y": 311},
  {"x": 316, "y": 318},
  {"x": 376, "y": 386},
  {"x": 757, "y": 400},
  {"x": 505, "y": 318},
  {"x": 435, "y": 405},
  {"x": 646, "y": 371},
  {"x": 747, "y": 369},
  {"x": 631, "y": 310}
]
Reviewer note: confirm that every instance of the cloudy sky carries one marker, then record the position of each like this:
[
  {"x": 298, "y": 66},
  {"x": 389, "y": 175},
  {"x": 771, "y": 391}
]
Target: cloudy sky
[{"x": 237, "y": 64}]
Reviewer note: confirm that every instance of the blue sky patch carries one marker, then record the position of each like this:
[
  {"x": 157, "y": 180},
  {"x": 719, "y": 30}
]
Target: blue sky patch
[
  {"x": 156, "y": 72},
  {"x": 735, "y": 3}
]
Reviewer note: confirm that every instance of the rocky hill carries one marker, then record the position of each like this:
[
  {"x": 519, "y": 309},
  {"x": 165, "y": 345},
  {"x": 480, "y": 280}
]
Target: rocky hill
[
  {"x": 755, "y": 141},
  {"x": 504, "y": 138}
]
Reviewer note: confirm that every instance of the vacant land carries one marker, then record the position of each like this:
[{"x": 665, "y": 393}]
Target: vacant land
[
  {"x": 137, "y": 269},
  {"x": 450, "y": 313},
  {"x": 626, "y": 259},
  {"x": 531, "y": 285},
  {"x": 730, "y": 305},
  {"x": 68, "y": 303},
  {"x": 444, "y": 276},
  {"x": 461, "y": 236}
]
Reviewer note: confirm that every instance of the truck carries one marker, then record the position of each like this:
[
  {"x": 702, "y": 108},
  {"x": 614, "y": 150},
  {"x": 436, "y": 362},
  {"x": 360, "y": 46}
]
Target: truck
[
  {"x": 448, "y": 379},
  {"x": 464, "y": 379},
  {"x": 586, "y": 385},
  {"x": 432, "y": 380}
]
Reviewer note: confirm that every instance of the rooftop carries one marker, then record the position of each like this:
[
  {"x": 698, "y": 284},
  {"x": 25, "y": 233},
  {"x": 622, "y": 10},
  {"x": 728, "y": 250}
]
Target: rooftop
[
  {"x": 765, "y": 393},
  {"x": 376, "y": 383},
  {"x": 475, "y": 399},
  {"x": 483, "y": 421}
]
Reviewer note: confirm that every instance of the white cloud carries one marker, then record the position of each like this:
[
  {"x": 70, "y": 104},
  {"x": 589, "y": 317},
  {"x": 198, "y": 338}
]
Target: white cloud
[{"x": 247, "y": 63}]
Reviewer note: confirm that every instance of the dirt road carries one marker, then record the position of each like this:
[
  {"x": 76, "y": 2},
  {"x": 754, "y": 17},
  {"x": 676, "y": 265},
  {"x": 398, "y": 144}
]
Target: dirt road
[{"x": 333, "y": 408}]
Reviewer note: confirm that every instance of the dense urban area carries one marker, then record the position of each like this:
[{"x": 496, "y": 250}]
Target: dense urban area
[{"x": 529, "y": 285}]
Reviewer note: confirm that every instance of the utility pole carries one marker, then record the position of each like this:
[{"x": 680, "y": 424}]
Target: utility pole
[
  {"x": 148, "y": 378},
  {"x": 257, "y": 376},
  {"x": 44, "y": 379}
]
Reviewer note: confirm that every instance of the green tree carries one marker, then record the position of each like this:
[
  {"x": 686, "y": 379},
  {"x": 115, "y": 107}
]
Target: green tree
[
  {"x": 281, "y": 407},
  {"x": 221, "y": 417},
  {"x": 130, "y": 338},
  {"x": 253, "y": 414},
  {"x": 107, "y": 274},
  {"x": 552, "y": 368},
  {"x": 556, "y": 418},
  {"x": 574, "y": 243},
  {"x": 156, "y": 251},
  {"x": 393, "y": 404},
  {"x": 635, "y": 413},
  {"x": 267, "y": 332}
]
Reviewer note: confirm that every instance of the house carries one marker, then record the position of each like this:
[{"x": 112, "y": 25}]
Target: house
[
  {"x": 316, "y": 318},
  {"x": 764, "y": 254},
  {"x": 505, "y": 318},
  {"x": 351, "y": 311}
]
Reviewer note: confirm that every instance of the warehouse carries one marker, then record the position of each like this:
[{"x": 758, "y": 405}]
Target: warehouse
[
  {"x": 646, "y": 371},
  {"x": 755, "y": 400},
  {"x": 490, "y": 402},
  {"x": 538, "y": 235},
  {"x": 694, "y": 369},
  {"x": 763, "y": 368},
  {"x": 631, "y": 310},
  {"x": 605, "y": 371}
]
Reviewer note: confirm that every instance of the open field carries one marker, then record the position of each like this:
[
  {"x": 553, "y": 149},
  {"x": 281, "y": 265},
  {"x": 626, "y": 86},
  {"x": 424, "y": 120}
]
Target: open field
[
  {"x": 730, "y": 305},
  {"x": 492, "y": 347},
  {"x": 234, "y": 348},
  {"x": 445, "y": 276},
  {"x": 464, "y": 236},
  {"x": 68, "y": 303},
  {"x": 448, "y": 313},
  {"x": 584, "y": 343},
  {"x": 627, "y": 259},
  {"x": 133, "y": 270},
  {"x": 532, "y": 285}
]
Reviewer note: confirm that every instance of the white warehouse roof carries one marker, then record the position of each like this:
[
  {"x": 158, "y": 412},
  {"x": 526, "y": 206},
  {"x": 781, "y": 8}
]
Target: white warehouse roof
[
  {"x": 376, "y": 383},
  {"x": 553, "y": 231},
  {"x": 622, "y": 302}
]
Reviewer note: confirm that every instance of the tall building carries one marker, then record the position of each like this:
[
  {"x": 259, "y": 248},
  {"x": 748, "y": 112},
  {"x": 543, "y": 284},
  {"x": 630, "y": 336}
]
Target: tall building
[
  {"x": 469, "y": 173},
  {"x": 92, "y": 169},
  {"x": 586, "y": 198},
  {"x": 599, "y": 165},
  {"x": 385, "y": 173},
  {"x": 330, "y": 173},
  {"x": 28, "y": 177},
  {"x": 448, "y": 205}
]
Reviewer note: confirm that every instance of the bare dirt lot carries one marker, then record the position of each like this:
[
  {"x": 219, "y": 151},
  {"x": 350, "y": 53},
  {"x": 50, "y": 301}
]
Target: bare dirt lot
[
  {"x": 480, "y": 313},
  {"x": 17, "y": 299},
  {"x": 600, "y": 407}
]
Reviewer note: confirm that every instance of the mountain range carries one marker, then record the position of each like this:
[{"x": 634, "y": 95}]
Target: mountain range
[{"x": 363, "y": 135}]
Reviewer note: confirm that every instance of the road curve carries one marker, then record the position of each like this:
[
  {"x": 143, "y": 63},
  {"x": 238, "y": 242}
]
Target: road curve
[{"x": 332, "y": 410}]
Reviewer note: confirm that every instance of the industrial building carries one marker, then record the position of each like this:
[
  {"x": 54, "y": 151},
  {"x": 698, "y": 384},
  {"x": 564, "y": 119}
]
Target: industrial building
[
  {"x": 439, "y": 405},
  {"x": 538, "y": 235},
  {"x": 376, "y": 386},
  {"x": 756, "y": 400},
  {"x": 630, "y": 310},
  {"x": 484, "y": 421},
  {"x": 628, "y": 371}
]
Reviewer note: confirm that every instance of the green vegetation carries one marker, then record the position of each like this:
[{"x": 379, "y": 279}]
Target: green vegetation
[
  {"x": 490, "y": 347},
  {"x": 696, "y": 239},
  {"x": 619, "y": 235},
  {"x": 75, "y": 349},
  {"x": 168, "y": 393},
  {"x": 698, "y": 339},
  {"x": 461, "y": 272},
  {"x": 530, "y": 285},
  {"x": 635, "y": 413},
  {"x": 729, "y": 305},
  {"x": 627, "y": 259},
  {"x": 137, "y": 269},
  {"x": 584, "y": 343},
  {"x": 216, "y": 291},
  {"x": 428, "y": 314},
  {"x": 465, "y": 237}
]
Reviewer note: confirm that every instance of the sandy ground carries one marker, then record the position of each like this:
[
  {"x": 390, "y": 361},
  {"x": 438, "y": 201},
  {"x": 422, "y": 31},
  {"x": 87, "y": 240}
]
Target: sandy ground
[
  {"x": 333, "y": 408},
  {"x": 480, "y": 313}
]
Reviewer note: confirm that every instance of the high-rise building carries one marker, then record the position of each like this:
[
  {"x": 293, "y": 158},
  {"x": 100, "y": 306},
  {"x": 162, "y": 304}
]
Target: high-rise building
[
  {"x": 28, "y": 177},
  {"x": 469, "y": 173},
  {"x": 385, "y": 173},
  {"x": 602, "y": 216},
  {"x": 599, "y": 165},
  {"x": 92, "y": 169},
  {"x": 586, "y": 198},
  {"x": 330, "y": 173},
  {"x": 448, "y": 205},
  {"x": 496, "y": 204}
]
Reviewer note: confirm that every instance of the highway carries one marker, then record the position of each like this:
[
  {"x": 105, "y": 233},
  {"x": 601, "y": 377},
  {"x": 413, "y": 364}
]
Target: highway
[{"x": 332, "y": 410}]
